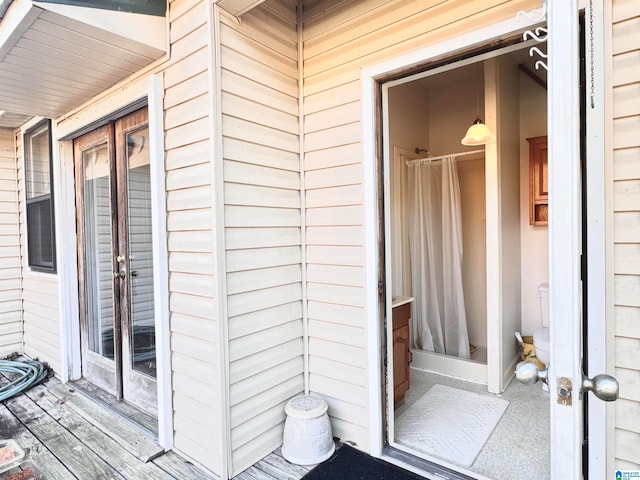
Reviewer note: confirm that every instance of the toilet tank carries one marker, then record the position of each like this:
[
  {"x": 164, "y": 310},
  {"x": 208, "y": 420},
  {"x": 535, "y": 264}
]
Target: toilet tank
[{"x": 543, "y": 295}]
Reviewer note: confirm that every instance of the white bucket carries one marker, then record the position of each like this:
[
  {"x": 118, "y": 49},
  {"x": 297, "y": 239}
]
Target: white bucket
[{"x": 307, "y": 436}]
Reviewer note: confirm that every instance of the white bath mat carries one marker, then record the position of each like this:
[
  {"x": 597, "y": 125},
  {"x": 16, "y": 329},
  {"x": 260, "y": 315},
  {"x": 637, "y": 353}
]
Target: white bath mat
[{"x": 449, "y": 423}]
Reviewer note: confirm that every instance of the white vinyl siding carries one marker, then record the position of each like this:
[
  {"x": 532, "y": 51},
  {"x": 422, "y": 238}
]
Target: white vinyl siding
[
  {"x": 191, "y": 238},
  {"x": 340, "y": 38},
  {"x": 140, "y": 241},
  {"x": 626, "y": 236},
  {"x": 10, "y": 274},
  {"x": 259, "y": 73},
  {"x": 41, "y": 326}
]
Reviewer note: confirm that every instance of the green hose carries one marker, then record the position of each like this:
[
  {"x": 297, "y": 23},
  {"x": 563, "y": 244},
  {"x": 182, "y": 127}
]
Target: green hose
[{"x": 29, "y": 374}]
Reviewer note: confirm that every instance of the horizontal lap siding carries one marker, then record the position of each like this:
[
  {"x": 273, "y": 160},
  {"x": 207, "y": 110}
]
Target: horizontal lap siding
[
  {"x": 40, "y": 307},
  {"x": 10, "y": 274},
  {"x": 626, "y": 217},
  {"x": 259, "y": 74},
  {"x": 191, "y": 237},
  {"x": 341, "y": 38}
]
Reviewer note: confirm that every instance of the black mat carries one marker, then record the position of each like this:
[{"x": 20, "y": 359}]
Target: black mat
[{"x": 351, "y": 464}]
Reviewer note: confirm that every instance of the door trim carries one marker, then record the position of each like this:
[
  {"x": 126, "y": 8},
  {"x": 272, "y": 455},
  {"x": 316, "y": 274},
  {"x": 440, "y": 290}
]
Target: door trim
[
  {"x": 151, "y": 88},
  {"x": 601, "y": 415}
]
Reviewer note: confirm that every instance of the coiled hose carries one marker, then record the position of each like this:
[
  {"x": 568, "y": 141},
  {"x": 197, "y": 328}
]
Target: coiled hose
[{"x": 22, "y": 375}]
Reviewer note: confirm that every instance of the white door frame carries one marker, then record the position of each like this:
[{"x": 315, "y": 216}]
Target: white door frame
[
  {"x": 369, "y": 78},
  {"x": 565, "y": 290},
  {"x": 600, "y": 258}
]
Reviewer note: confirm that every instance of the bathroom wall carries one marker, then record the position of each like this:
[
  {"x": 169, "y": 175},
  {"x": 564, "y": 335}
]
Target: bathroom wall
[
  {"x": 534, "y": 238},
  {"x": 504, "y": 73},
  {"x": 409, "y": 116},
  {"x": 474, "y": 264},
  {"x": 452, "y": 109}
]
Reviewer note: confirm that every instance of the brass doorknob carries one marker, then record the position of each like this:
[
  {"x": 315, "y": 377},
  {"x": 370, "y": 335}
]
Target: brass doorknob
[{"x": 120, "y": 275}]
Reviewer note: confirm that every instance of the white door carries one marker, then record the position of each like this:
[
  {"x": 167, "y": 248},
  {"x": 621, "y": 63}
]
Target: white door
[
  {"x": 565, "y": 370},
  {"x": 565, "y": 227}
]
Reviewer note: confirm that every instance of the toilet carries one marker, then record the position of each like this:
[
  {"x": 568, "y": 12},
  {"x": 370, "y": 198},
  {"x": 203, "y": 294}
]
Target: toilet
[{"x": 541, "y": 337}]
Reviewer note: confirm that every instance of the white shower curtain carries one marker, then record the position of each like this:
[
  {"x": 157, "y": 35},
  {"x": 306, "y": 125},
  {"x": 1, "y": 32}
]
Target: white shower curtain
[{"x": 435, "y": 238}]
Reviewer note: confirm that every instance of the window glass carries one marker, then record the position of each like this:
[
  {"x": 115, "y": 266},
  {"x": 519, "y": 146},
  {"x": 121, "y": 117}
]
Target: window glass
[{"x": 40, "y": 220}]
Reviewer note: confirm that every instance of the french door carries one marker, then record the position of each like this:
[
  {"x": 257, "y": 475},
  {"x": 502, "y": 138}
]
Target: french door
[{"x": 113, "y": 201}]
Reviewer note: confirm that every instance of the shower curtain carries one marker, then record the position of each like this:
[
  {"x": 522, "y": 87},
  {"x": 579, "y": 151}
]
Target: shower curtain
[{"x": 435, "y": 242}]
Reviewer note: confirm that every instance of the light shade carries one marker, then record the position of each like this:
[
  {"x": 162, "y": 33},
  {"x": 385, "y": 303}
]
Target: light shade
[{"x": 478, "y": 134}]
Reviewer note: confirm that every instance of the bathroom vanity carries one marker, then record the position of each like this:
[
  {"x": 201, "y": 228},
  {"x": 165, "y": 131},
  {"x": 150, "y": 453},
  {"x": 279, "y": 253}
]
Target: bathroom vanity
[{"x": 401, "y": 314}]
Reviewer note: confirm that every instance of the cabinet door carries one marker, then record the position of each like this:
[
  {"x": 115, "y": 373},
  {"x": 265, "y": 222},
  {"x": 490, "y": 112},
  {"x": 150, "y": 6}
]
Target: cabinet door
[
  {"x": 400, "y": 362},
  {"x": 538, "y": 181},
  {"x": 401, "y": 353}
]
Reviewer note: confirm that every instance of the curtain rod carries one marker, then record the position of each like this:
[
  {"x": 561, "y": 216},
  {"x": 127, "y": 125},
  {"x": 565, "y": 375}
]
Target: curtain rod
[{"x": 440, "y": 157}]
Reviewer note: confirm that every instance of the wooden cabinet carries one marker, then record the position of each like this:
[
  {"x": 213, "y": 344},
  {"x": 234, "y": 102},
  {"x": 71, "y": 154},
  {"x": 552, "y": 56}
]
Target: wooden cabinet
[
  {"x": 538, "y": 181},
  {"x": 401, "y": 352}
]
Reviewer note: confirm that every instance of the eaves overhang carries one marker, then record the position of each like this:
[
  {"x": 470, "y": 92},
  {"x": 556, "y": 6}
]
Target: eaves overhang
[
  {"x": 238, "y": 7},
  {"x": 54, "y": 57}
]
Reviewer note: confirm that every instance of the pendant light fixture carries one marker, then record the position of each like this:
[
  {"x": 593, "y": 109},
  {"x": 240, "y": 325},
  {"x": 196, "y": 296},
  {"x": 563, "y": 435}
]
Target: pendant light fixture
[{"x": 478, "y": 133}]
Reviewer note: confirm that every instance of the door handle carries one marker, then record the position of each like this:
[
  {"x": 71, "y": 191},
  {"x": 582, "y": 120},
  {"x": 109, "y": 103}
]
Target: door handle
[
  {"x": 121, "y": 275},
  {"x": 529, "y": 373},
  {"x": 603, "y": 386}
]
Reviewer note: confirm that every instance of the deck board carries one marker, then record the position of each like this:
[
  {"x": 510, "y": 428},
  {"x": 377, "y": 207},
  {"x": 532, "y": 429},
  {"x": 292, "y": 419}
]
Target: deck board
[
  {"x": 98, "y": 442},
  {"x": 139, "y": 445},
  {"x": 55, "y": 426},
  {"x": 63, "y": 444},
  {"x": 12, "y": 427},
  {"x": 277, "y": 467},
  {"x": 178, "y": 467}
]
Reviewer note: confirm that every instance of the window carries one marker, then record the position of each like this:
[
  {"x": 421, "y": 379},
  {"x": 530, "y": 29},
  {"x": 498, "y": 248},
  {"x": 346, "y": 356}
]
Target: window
[{"x": 39, "y": 194}]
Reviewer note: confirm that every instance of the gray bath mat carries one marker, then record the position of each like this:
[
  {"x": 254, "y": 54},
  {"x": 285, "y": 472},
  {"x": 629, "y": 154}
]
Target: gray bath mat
[{"x": 450, "y": 423}]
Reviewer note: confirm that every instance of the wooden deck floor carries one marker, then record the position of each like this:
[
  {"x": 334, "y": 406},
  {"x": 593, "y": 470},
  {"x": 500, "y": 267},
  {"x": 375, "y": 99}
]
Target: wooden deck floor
[{"x": 68, "y": 436}]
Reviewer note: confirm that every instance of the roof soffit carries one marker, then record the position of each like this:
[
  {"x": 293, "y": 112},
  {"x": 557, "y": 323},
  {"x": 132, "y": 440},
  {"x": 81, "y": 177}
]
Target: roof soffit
[
  {"x": 55, "y": 57},
  {"x": 238, "y": 7}
]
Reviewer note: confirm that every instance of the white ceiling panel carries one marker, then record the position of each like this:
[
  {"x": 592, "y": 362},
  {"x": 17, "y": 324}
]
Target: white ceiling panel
[{"x": 50, "y": 63}]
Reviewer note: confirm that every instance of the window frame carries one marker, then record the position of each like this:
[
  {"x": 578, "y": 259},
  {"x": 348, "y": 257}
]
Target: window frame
[{"x": 39, "y": 266}]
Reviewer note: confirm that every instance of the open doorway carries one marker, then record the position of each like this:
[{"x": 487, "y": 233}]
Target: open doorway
[{"x": 466, "y": 264}]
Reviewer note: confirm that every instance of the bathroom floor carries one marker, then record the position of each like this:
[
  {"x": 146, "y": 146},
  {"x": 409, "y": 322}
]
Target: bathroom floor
[{"x": 519, "y": 444}]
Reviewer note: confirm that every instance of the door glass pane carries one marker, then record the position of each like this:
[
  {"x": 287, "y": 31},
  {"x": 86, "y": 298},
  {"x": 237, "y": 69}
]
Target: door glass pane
[
  {"x": 98, "y": 250},
  {"x": 142, "y": 334}
]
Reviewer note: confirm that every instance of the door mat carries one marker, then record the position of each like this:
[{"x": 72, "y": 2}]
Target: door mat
[
  {"x": 351, "y": 464},
  {"x": 450, "y": 423}
]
